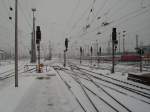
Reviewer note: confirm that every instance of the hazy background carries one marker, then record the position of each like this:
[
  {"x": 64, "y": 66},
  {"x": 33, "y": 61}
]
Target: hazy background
[{"x": 68, "y": 18}]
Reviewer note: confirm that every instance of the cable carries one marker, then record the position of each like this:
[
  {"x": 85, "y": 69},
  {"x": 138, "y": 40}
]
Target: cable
[
  {"x": 81, "y": 17},
  {"x": 28, "y": 22},
  {"x": 74, "y": 10},
  {"x": 124, "y": 5},
  {"x": 100, "y": 9},
  {"x": 133, "y": 16},
  {"x": 123, "y": 17}
]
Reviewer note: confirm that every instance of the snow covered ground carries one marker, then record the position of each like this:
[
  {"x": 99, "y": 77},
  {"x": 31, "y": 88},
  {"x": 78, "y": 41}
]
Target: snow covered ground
[
  {"x": 43, "y": 92},
  {"x": 76, "y": 88}
]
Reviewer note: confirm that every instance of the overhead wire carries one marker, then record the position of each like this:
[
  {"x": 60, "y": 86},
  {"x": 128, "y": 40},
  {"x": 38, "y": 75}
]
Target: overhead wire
[
  {"x": 6, "y": 9},
  {"x": 3, "y": 25},
  {"x": 81, "y": 17},
  {"x": 133, "y": 16},
  {"x": 26, "y": 18},
  {"x": 27, "y": 49},
  {"x": 74, "y": 11},
  {"x": 88, "y": 11},
  {"x": 122, "y": 17},
  {"x": 99, "y": 10},
  {"x": 118, "y": 9},
  {"x": 109, "y": 10}
]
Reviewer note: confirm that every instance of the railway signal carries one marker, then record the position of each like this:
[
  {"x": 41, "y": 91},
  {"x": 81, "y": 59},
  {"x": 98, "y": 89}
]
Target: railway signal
[
  {"x": 91, "y": 49},
  {"x": 99, "y": 54},
  {"x": 38, "y": 39},
  {"x": 140, "y": 51},
  {"x": 114, "y": 46},
  {"x": 66, "y": 48},
  {"x": 38, "y": 35},
  {"x": 66, "y": 43},
  {"x": 81, "y": 55}
]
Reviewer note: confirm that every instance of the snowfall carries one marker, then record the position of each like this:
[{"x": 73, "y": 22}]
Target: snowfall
[{"x": 47, "y": 92}]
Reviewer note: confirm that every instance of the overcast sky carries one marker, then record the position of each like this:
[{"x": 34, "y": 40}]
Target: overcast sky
[{"x": 68, "y": 18}]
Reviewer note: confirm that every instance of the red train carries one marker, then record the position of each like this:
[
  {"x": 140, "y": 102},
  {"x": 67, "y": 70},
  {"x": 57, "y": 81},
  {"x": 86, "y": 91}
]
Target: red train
[
  {"x": 130, "y": 57},
  {"x": 123, "y": 58}
]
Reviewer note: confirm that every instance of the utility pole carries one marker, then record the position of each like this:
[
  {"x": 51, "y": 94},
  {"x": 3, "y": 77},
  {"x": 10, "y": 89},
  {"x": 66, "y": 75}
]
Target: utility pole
[
  {"x": 124, "y": 34},
  {"x": 16, "y": 43},
  {"x": 113, "y": 56},
  {"x": 141, "y": 64},
  {"x": 65, "y": 58},
  {"x": 123, "y": 45},
  {"x": 119, "y": 44},
  {"x": 97, "y": 52},
  {"x": 119, "y": 41},
  {"x": 91, "y": 49},
  {"x": 33, "y": 50},
  {"x": 81, "y": 51},
  {"x": 50, "y": 51},
  {"x": 140, "y": 51},
  {"x": 137, "y": 41}
]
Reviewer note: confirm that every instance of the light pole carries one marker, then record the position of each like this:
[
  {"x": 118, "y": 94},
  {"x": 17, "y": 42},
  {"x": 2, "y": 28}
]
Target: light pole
[
  {"x": 16, "y": 43},
  {"x": 33, "y": 47}
]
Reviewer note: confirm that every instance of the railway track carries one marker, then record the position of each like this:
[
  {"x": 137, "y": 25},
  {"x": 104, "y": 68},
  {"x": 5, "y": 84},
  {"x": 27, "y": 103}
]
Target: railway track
[
  {"x": 11, "y": 73},
  {"x": 104, "y": 84},
  {"x": 68, "y": 86},
  {"x": 108, "y": 77},
  {"x": 120, "y": 85},
  {"x": 10, "y": 70},
  {"x": 81, "y": 75},
  {"x": 84, "y": 88}
]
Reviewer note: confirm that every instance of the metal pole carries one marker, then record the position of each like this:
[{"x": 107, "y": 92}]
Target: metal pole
[
  {"x": 123, "y": 45},
  {"x": 91, "y": 57},
  {"x": 38, "y": 47},
  {"x": 64, "y": 58},
  {"x": 114, "y": 42},
  {"x": 33, "y": 58},
  {"x": 80, "y": 57},
  {"x": 137, "y": 41},
  {"x": 16, "y": 43},
  {"x": 119, "y": 43},
  {"x": 141, "y": 63},
  {"x": 31, "y": 51},
  {"x": 97, "y": 52},
  {"x": 141, "y": 59},
  {"x": 113, "y": 61}
]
